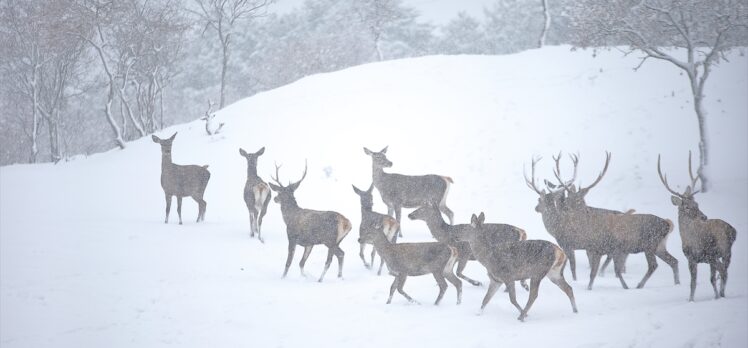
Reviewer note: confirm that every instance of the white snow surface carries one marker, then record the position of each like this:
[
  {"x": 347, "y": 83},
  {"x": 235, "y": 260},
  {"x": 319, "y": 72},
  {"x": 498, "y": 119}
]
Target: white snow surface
[{"x": 86, "y": 260}]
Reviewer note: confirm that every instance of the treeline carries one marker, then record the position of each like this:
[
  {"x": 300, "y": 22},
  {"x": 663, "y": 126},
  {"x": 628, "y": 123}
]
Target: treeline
[{"x": 83, "y": 76}]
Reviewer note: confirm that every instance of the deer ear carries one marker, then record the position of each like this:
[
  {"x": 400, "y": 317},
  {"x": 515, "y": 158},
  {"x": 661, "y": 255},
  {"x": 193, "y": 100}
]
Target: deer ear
[
  {"x": 274, "y": 187},
  {"x": 173, "y": 136},
  {"x": 242, "y": 152},
  {"x": 474, "y": 221},
  {"x": 371, "y": 188},
  {"x": 262, "y": 150},
  {"x": 688, "y": 191},
  {"x": 385, "y": 149},
  {"x": 481, "y": 217},
  {"x": 367, "y": 151},
  {"x": 676, "y": 200},
  {"x": 355, "y": 189},
  {"x": 155, "y": 139}
]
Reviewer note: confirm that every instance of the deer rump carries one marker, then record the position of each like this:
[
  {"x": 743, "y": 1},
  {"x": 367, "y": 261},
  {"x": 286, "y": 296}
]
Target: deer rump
[
  {"x": 314, "y": 227},
  {"x": 413, "y": 191}
]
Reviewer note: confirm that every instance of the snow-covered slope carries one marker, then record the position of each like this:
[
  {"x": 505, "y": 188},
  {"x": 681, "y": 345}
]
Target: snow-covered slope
[{"x": 85, "y": 259}]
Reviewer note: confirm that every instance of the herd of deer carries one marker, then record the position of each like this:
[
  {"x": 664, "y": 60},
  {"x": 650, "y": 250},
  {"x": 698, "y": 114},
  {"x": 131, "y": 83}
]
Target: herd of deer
[{"x": 502, "y": 249}]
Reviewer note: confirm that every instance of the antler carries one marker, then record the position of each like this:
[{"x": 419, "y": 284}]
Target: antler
[
  {"x": 690, "y": 174},
  {"x": 277, "y": 181},
  {"x": 600, "y": 176},
  {"x": 296, "y": 184},
  {"x": 557, "y": 171},
  {"x": 663, "y": 178},
  {"x": 531, "y": 184}
]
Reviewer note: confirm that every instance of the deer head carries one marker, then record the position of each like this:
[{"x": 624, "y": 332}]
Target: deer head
[
  {"x": 367, "y": 200},
  {"x": 684, "y": 201},
  {"x": 252, "y": 157},
  {"x": 379, "y": 159},
  {"x": 546, "y": 200},
  {"x": 286, "y": 193},
  {"x": 165, "y": 144}
]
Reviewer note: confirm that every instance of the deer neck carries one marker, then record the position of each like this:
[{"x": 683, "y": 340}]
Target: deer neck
[
  {"x": 289, "y": 209},
  {"x": 378, "y": 174},
  {"x": 252, "y": 171},
  {"x": 438, "y": 228},
  {"x": 166, "y": 162}
]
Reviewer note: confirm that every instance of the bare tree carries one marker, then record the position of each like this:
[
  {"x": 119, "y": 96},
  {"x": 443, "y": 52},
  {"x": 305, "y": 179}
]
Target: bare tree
[
  {"x": 705, "y": 29},
  {"x": 222, "y": 16},
  {"x": 376, "y": 15}
]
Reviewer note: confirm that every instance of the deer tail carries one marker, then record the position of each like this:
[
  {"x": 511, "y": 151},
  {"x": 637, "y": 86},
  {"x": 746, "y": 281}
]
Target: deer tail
[
  {"x": 630, "y": 211},
  {"x": 450, "y": 265},
  {"x": 448, "y": 180},
  {"x": 663, "y": 242},
  {"x": 522, "y": 234},
  {"x": 344, "y": 226}
]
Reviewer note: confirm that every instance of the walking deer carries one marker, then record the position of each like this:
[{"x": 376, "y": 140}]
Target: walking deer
[
  {"x": 704, "y": 240},
  {"x": 372, "y": 222},
  {"x": 181, "y": 181},
  {"x": 256, "y": 193},
  {"x": 446, "y": 234},
  {"x": 415, "y": 259},
  {"x": 516, "y": 260},
  {"x": 408, "y": 191},
  {"x": 600, "y": 232},
  {"x": 308, "y": 228}
]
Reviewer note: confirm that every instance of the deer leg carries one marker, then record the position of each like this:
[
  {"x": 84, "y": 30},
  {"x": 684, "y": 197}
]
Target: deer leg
[
  {"x": 456, "y": 282},
  {"x": 393, "y": 287},
  {"x": 723, "y": 274},
  {"x": 373, "y": 253},
  {"x": 608, "y": 258},
  {"x": 307, "y": 251},
  {"x": 340, "y": 254},
  {"x": 402, "y": 292},
  {"x": 692, "y": 269},
  {"x": 572, "y": 261},
  {"x": 327, "y": 263},
  {"x": 363, "y": 258},
  {"x": 179, "y": 208},
  {"x": 461, "y": 263},
  {"x": 251, "y": 225},
  {"x": 442, "y": 286},
  {"x": 291, "y": 250},
  {"x": 262, "y": 214},
  {"x": 652, "y": 266},
  {"x": 664, "y": 255},
  {"x": 381, "y": 265},
  {"x": 617, "y": 268},
  {"x": 492, "y": 287},
  {"x": 513, "y": 297},
  {"x": 534, "y": 286},
  {"x": 168, "y": 208},
  {"x": 557, "y": 277},
  {"x": 398, "y": 213},
  {"x": 450, "y": 215},
  {"x": 594, "y": 265},
  {"x": 713, "y": 278}
]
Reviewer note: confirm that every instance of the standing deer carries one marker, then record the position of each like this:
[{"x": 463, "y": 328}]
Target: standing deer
[
  {"x": 416, "y": 259},
  {"x": 372, "y": 222},
  {"x": 181, "y": 181},
  {"x": 407, "y": 191},
  {"x": 704, "y": 240},
  {"x": 601, "y": 232},
  {"x": 308, "y": 228},
  {"x": 446, "y": 234},
  {"x": 511, "y": 261},
  {"x": 256, "y": 193}
]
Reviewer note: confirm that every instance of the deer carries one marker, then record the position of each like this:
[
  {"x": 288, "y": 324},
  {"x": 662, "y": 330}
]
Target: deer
[
  {"x": 371, "y": 222},
  {"x": 407, "y": 191},
  {"x": 516, "y": 260},
  {"x": 600, "y": 232},
  {"x": 703, "y": 240},
  {"x": 445, "y": 233},
  {"x": 256, "y": 193},
  {"x": 415, "y": 259},
  {"x": 181, "y": 181},
  {"x": 308, "y": 228}
]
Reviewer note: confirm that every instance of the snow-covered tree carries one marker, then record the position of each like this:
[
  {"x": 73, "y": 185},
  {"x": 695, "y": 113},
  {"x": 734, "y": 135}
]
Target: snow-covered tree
[
  {"x": 702, "y": 30},
  {"x": 461, "y": 35}
]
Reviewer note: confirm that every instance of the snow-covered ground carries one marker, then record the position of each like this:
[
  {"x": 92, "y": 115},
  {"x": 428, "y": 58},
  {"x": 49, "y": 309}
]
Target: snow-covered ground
[{"x": 86, "y": 260}]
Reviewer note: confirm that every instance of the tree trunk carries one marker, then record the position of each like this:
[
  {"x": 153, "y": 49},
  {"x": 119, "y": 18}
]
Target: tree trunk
[
  {"x": 54, "y": 139},
  {"x": 546, "y": 24},
  {"x": 34, "y": 122},
  {"x": 112, "y": 122},
  {"x": 698, "y": 100},
  {"x": 224, "y": 66}
]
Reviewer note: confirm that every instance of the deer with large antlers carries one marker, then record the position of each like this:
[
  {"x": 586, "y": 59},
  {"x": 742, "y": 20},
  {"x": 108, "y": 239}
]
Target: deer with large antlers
[
  {"x": 601, "y": 232},
  {"x": 308, "y": 228},
  {"x": 256, "y": 193},
  {"x": 408, "y": 191},
  {"x": 181, "y": 181},
  {"x": 704, "y": 240}
]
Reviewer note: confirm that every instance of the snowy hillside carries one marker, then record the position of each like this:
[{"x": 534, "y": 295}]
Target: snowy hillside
[{"x": 86, "y": 260}]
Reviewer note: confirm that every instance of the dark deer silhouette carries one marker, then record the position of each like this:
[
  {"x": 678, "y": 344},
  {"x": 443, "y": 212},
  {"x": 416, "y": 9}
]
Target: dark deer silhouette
[
  {"x": 704, "y": 240},
  {"x": 308, "y": 228},
  {"x": 407, "y": 191},
  {"x": 256, "y": 193},
  {"x": 181, "y": 181}
]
